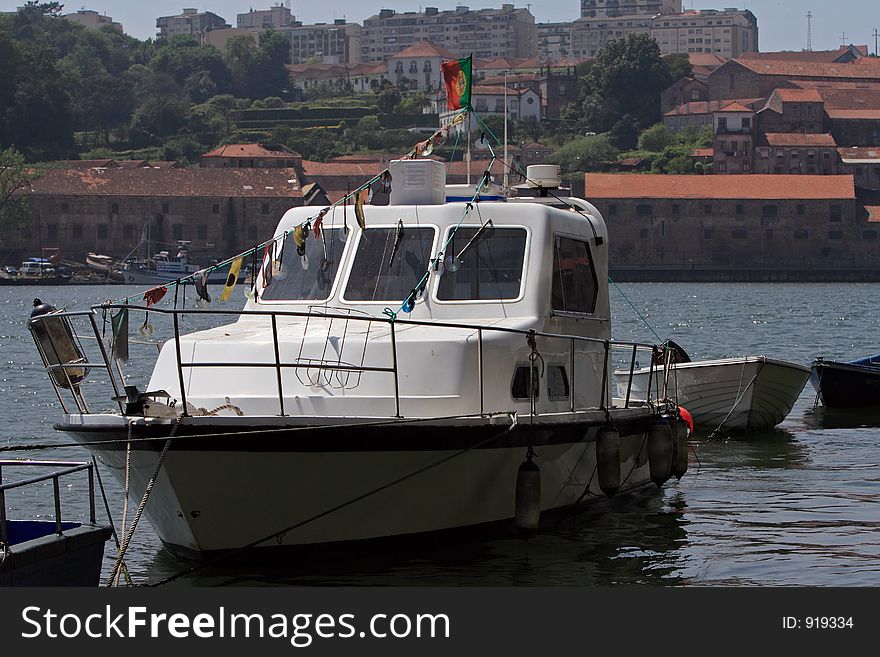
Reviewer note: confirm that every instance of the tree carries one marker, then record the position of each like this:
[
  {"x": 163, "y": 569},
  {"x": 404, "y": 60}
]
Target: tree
[
  {"x": 656, "y": 138},
  {"x": 271, "y": 77},
  {"x": 14, "y": 176},
  {"x": 529, "y": 129},
  {"x": 584, "y": 154},
  {"x": 679, "y": 65},
  {"x": 389, "y": 98},
  {"x": 625, "y": 78}
]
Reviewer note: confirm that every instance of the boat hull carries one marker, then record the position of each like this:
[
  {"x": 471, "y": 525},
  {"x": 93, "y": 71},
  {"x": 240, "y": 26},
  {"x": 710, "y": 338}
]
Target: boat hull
[
  {"x": 310, "y": 486},
  {"x": 145, "y": 277},
  {"x": 845, "y": 385},
  {"x": 750, "y": 393}
]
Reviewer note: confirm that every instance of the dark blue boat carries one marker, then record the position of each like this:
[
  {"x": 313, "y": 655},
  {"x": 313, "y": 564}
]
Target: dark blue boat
[
  {"x": 50, "y": 552},
  {"x": 851, "y": 384}
]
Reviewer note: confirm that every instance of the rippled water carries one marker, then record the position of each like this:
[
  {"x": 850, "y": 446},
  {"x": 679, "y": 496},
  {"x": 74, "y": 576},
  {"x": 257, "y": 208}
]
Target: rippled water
[{"x": 799, "y": 505}]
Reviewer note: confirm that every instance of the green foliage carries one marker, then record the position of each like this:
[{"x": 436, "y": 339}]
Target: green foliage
[
  {"x": 388, "y": 97},
  {"x": 528, "y": 129},
  {"x": 584, "y": 154},
  {"x": 679, "y": 65},
  {"x": 620, "y": 92},
  {"x": 14, "y": 176},
  {"x": 695, "y": 136},
  {"x": 656, "y": 138},
  {"x": 413, "y": 102}
]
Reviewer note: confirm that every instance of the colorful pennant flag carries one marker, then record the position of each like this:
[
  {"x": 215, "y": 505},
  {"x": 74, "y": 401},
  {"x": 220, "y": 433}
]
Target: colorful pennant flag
[
  {"x": 318, "y": 221},
  {"x": 201, "y": 281},
  {"x": 359, "y": 199},
  {"x": 154, "y": 295},
  {"x": 267, "y": 267},
  {"x": 457, "y": 78},
  {"x": 231, "y": 279},
  {"x": 119, "y": 323}
]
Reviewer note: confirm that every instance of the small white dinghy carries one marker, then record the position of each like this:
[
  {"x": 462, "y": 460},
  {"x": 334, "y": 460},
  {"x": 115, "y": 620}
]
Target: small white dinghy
[{"x": 746, "y": 393}]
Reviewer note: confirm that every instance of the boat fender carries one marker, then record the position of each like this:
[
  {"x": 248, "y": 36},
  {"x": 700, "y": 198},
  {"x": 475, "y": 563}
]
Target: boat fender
[
  {"x": 608, "y": 460},
  {"x": 57, "y": 345},
  {"x": 661, "y": 439},
  {"x": 527, "y": 511},
  {"x": 680, "y": 448}
]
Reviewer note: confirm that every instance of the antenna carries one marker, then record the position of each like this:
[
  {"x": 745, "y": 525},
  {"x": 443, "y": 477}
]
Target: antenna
[
  {"x": 843, "y": 39},
  {"x": 875, "y": 41},
  {"x": 809, "y": 31}
]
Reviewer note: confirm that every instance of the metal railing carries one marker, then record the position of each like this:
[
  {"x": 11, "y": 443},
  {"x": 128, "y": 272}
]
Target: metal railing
[
  {"x": 607, "y": 346},
  {"x": 68, "y": 467}
]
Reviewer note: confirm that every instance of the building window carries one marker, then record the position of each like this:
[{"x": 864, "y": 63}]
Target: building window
[
  {"x": 102, "y": 231},
  {"x": 765, "y": 152},
  {"x": 836, "y": 213},
  {"x": 738, "y": 233},
  {"x": 769, "y": 210},
  {"x": 612, "y": 210},
  {"x": 739, "y": 209},
  {"x": 801, "y": 234},
  {"x": 747, "y": 124},
  {"x": 77, "y": 231},
  {"x": 676, "y": 209},
  {"x": 252, "y": 233},
  {"x": 769, "y": 234},
  {"x": 177, "y": 231},
  {"x": 643, "y": 233},
  {"x": 166, "y": 208},
  {"x": 52, "y": 232},
  {"x": 264, "y": 208},
  {"x": 202, "y": 232},
  {"x": 215, "y": 208},
  {"x": 707, "y": 233},
  {"x": 707, "y": 209},
  {"x": 114, "y": 208},
  {"x": 835, "y": 234},
  {"x": 801, "y": 209},
  {"x": 128, "y": 231},
  {"x": 65, "y": 207},
  {"x": 643, "y": 210},
  {"x": 869, "y": 235}
]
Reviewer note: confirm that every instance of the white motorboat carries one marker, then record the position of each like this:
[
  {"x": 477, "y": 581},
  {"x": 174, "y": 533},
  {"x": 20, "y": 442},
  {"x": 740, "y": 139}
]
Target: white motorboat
[
  {"x": 329, "y": 412},
  {"x": 163, "y": 268},
  {"x": 748, "y": 392}
]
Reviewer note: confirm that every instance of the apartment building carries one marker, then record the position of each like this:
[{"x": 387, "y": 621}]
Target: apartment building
[
  {"x": 273, "y": 18},
  {"x": 485, "y": 33},
  {"x": 92, "y": 20},
  {"x": 727, "y": 33},
  {"x": 338, "y": 42},
  {"x": 613, "y": 8},
  {"x": 191, "y": 22}
]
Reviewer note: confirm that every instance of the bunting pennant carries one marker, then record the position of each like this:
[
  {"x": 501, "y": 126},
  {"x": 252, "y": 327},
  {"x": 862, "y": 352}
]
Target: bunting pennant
[
  {"x": 457, "y": 78},
  {"x": 385, "y": 178},
  {"x": 318, "y": 221},
  {"x": 231, "y": 279},
  {"x": 119, "y": 323},
  {"x": 154, "y": 295},
  {"x": 267, "y": 267},
  {"x": 201, "y": 281},
  {"x": 359, "y": 208}
]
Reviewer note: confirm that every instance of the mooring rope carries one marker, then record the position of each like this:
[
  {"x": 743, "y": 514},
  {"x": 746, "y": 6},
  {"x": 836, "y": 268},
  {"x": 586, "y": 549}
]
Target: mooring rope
[{"x": 739, "y": 397}]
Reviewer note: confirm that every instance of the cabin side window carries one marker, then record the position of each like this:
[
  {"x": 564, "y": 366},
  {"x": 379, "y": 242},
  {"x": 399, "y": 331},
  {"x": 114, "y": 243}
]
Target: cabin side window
[
  {"x": 490, "y": 264},
  {"x": 314, "y": 283},
  {"x": 389, "y": 263},
  {"x": 574, "y": 277}
]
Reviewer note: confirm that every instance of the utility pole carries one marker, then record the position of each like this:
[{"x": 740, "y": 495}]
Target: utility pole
[
  {"x": 875, "y": 42},
  {"x": 843, "y": 39},
  {"x": 809, "y": 31}
]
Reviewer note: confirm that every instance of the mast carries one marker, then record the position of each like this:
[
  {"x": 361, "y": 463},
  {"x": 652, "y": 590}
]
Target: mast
[{"x": 506, "y": 168}]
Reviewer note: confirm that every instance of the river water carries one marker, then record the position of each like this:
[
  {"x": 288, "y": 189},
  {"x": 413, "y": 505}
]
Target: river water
[{"x": 796, "y": 506}]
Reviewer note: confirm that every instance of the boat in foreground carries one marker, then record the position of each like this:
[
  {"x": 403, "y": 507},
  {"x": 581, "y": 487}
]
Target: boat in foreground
[
  {"x": 851, "y": 384},
  {"x": 746, "y": 393},
  {"x": 48, "y": 552},
  {"x": 433, "y": 367}
]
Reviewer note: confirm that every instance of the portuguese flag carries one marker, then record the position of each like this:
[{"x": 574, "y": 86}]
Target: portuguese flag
[{"x": 457, "y": 78}]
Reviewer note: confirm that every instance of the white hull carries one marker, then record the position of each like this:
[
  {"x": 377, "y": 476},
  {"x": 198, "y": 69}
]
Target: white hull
[
  {"x": 141, "y": 277},
  {"x": 752, "y": 392},
  {"x": 205, "y": 500}
]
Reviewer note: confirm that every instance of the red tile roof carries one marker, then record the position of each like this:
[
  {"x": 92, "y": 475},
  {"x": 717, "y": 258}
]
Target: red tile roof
[
  {"x": 827, "y": 56},
  {"x": 854, "y": 114},
  {"x": 365, "y": 169},
  {"x": 735, "y": 106},
  {"x": 873, "y": 213},
  {"x": 703, "y": 152},
  {"x": 711, "y": 106},
  {"x": 497, "y": 90},
  {"x": 745, "y": 186},
  {"x": 147, "y": 181},
  {"x": 424, "y": 49},
  {"x": 254, "y": 150},
  {"x": 706, "y": 60},
  {"x": 860, "y": 153},
  {"x": 798, "y": 95},
  {"x": 799, "y": 139},
  {"x": 867, "y": 68}
]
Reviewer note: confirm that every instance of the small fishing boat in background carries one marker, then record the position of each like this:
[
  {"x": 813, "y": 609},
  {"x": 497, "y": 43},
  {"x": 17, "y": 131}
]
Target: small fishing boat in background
[
  {"x": 163, "y": 268},
  {"x": 49, "y": 552},
  {"x": 850, "y": 384},
  {"x": 748, "y": 392},
  {"x": 37, "y": 271}
]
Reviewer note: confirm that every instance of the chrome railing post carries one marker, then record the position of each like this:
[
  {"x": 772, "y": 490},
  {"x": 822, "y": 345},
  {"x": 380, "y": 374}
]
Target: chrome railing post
[
  {"x": 629, "y": 383},
  {"x": 4, "y": 535},
  {"x": 480, "y": 364},
  {"x": 605, "y": 387},
  {"x": 277, "y": 364},
  {"x": 91, "y": 494},
  {"x": 571, "y": 367},
  {"x": 106, "y": 358},
  {"x": 396, "y": 382},
  {"x": 183, "y": 412},
  {"x": 57, "y": 492}
]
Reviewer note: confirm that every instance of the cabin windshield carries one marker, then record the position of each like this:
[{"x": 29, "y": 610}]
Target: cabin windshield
[
  {"x": 389, "y": 262},
  {"x": 491, "y": 267},
  {"x": 314, "y": 283}
]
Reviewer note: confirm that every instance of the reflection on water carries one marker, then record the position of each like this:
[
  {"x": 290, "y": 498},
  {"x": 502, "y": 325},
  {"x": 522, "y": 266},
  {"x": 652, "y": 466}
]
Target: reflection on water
[{"x": 798, "y": 505}]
